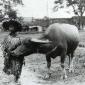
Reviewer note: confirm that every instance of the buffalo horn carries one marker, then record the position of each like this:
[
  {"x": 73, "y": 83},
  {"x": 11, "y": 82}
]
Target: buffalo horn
[{"x": 39, "y": 40}]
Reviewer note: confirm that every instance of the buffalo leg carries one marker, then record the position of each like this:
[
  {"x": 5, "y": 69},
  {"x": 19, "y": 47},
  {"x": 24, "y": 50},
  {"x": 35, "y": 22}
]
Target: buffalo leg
[
  {"x": 71, "y": 57},
  {"x": 48, "y": 74},
  {"x": 64, "y": 75}
]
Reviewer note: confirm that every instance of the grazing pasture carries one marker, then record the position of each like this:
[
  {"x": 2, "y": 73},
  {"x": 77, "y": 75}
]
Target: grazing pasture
[{"x": 35, "y": 67}]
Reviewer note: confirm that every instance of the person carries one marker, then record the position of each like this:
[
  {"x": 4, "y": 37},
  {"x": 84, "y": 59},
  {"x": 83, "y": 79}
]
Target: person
[{"x": 12, "y": 63}]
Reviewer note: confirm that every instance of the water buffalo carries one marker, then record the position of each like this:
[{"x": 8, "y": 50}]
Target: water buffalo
[{"x": 58, "y": 40}]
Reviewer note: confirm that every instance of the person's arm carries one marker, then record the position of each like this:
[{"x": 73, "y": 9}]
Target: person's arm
[{"x": 22, "y": 48}]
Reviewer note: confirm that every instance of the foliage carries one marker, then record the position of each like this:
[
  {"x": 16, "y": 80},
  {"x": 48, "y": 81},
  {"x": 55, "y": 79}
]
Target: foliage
[
  {"x": 12, "y": 14},
  {"x": 18, "y": 1},
  {"x": 7, "y": 7},
  {"x": 78, "y": 9},
  {"x": 77, "y": 5},
  {"x": 59, "y": 4}
]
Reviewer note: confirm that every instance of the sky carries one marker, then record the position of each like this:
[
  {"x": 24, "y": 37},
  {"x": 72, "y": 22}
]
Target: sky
[{"x": 41, "y": 8}]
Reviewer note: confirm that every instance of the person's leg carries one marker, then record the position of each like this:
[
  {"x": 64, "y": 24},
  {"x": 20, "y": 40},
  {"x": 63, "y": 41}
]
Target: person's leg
[
  {"x": 7, "y": 64},
  {"x": 18, "y": 68}
]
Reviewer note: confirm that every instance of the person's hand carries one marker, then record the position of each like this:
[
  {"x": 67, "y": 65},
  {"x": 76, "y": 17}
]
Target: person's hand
[{"x": 12, "y": 53}]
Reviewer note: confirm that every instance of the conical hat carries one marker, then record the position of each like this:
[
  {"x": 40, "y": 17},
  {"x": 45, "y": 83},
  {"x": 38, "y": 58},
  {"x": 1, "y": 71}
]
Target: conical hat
[{"x": 16, "y": 24}]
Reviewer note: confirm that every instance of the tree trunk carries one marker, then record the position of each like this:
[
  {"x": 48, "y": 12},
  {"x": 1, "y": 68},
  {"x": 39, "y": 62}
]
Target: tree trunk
[{"x": 80, "y": 23}]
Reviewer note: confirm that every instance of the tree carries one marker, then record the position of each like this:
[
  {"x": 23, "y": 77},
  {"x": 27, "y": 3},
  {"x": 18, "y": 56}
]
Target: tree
[
  {"x": 7, "y": 7},
  {"x": 58, "y": 5},
  {"x": 47, "y": 20},
  {"x": 12, "y": 14},
  {"x": 78, "y": 8}
]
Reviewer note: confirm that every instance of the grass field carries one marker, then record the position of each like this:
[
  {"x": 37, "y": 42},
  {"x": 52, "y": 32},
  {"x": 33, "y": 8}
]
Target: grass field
[{"x": 35, "y": 67}]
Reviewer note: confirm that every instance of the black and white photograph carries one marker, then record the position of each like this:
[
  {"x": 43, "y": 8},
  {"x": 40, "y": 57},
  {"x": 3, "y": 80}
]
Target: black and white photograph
[{"x": 42, "y": 42}]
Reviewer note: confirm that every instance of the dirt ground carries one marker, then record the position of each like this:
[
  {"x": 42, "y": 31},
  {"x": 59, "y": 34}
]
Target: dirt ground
[{"x": 35, "y": 68}]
